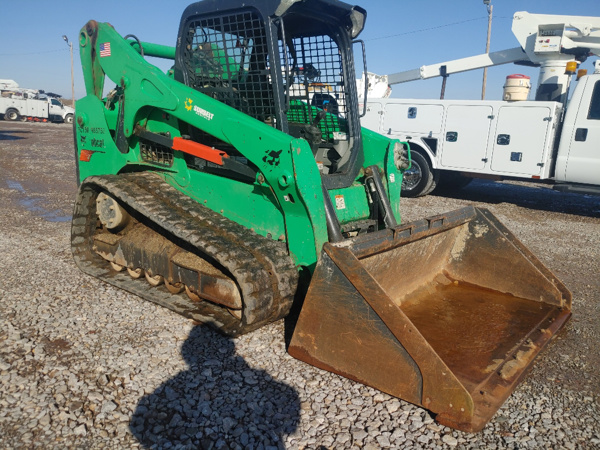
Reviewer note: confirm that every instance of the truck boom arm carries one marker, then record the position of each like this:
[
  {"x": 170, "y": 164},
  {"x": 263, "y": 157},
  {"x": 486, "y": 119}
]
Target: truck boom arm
[
  {"x": 511, "y": 55},
  {"x": 541, "y": 36},
  {"x": 547, "y": 41}
]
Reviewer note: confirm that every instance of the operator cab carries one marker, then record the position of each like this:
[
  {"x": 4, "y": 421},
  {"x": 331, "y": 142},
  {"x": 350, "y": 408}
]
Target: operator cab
[{"x": 286, "y": 63}]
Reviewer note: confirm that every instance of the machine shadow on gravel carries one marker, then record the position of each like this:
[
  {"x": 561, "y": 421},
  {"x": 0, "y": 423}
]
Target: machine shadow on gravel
[
  {"x": 218, "y": 402},
  {"x": 538, "y": 198},
  {"x": 10, "y": 135}
]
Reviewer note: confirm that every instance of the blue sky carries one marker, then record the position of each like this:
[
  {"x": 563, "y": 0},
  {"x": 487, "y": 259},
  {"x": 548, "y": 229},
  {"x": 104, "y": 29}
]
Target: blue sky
[{"x": 399, "y": 35}]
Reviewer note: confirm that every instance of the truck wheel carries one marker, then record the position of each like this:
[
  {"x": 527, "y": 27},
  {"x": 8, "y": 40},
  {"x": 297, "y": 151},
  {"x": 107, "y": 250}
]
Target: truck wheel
[
  {"x": 69, "y": 118},
  {"x": 420, "y": 179},
  {"x": 11, "y": 115}
]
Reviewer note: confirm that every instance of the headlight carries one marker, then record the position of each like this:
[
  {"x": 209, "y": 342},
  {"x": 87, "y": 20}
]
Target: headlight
[{"x": 401, "y": 159}]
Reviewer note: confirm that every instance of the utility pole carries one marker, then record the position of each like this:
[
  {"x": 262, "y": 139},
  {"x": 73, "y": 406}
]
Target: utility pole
[
  {"x": 70, "y": 44},
  {"x": 490, "y": 9}
]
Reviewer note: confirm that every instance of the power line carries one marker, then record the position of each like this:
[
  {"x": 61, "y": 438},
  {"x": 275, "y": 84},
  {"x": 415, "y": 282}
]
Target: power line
[
  {"x": 34, "y": 53},
  {"x": 371, "y": 39},
  {"x": 432, "y": 28}
]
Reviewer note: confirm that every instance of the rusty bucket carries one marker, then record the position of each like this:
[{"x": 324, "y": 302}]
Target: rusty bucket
[{"x": 447, "y": 313}]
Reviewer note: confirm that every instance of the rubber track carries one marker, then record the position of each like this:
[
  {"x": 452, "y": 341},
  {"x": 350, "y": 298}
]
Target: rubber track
[{"x": 261, "y": 267}]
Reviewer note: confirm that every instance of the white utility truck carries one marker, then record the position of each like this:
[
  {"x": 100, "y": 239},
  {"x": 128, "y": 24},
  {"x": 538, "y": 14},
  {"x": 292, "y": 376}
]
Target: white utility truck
[
  {"x": 28, "y": 104},
  {"x": 551, "y": 138}
]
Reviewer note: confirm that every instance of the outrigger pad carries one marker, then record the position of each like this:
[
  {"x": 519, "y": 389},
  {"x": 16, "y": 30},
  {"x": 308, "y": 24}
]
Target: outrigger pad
[{"x": 447, "y": 313}]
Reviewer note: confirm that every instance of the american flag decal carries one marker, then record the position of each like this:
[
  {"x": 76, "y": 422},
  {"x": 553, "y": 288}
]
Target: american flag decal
[{"x": 105, "y": 49}]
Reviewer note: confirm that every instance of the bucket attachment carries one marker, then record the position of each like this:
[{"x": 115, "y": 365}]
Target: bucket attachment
[{"x": 447, "y": 313}]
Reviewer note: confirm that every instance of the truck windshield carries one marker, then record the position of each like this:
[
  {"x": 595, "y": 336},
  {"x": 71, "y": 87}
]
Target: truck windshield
[{"x": 595, "y": 103}]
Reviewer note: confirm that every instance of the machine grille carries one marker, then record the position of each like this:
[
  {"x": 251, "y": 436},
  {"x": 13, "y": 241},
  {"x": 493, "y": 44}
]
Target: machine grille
[{"x": 156, "y": 154}]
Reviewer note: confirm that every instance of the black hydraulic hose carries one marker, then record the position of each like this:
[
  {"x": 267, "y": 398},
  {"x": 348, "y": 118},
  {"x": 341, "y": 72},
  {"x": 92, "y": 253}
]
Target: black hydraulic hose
[
  {"x": 333, "y": 224},
  {"x": 138, "y": 42},
  {"x": 384, "y": 202}
]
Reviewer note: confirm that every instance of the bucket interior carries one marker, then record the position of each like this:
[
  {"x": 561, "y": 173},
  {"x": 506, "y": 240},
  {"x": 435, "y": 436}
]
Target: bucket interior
[{"x": 473, "y": 295}]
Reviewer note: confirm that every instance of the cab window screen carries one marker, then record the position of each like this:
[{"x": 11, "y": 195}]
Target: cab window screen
[
  {"x": 317, "y": 84},
  {"x": 226, "y": 59}
]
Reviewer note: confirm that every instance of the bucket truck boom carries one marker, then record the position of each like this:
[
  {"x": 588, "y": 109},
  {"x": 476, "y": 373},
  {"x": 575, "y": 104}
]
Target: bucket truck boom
[{"x": 454, "y": 141}]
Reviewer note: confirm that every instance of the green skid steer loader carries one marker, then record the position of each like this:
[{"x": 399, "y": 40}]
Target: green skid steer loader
[{"x": 241, "y": 182}]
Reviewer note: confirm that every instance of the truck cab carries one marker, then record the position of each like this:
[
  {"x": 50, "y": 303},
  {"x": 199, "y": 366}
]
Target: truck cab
[
  {"x": 58, "y": 112},
  {"x": 578, "y": 158}
]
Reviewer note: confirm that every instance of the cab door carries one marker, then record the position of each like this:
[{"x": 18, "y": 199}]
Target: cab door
[
  {"x": 583, "y": 163},
  {"x": 56, "y": 107}
]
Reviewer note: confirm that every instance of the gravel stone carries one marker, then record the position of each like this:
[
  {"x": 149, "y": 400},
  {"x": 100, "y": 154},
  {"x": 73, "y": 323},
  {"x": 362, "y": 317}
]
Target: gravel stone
[
  {"x": 80, "y": 431},
  {"x": 450, "y": 440},
  {"x": 359, "y": 435},
  {"x": 383, "y": 441},
  {"x": 393, "y": 406}
]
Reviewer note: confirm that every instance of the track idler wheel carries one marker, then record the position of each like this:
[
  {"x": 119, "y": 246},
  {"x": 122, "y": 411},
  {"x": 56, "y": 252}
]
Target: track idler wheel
[{"x": 112, "y": 215}]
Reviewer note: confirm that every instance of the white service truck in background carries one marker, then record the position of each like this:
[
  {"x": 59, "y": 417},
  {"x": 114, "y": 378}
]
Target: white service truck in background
[
  {"x": 550, "y": 138},
  {"x": 37, "y": 109},
  {"x": 28, "y": 104}
]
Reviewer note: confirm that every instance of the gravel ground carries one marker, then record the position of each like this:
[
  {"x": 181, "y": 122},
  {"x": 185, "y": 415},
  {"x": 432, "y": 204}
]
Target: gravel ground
[{"x": 83, "y": 364}]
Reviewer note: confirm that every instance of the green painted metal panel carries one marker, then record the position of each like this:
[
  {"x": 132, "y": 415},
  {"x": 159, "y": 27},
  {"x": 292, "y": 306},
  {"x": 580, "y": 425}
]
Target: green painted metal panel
[
  {"x": 350, "y": 203},
  {"x": 92, "y": 134},
  {"x": 251, "y": 205}
]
